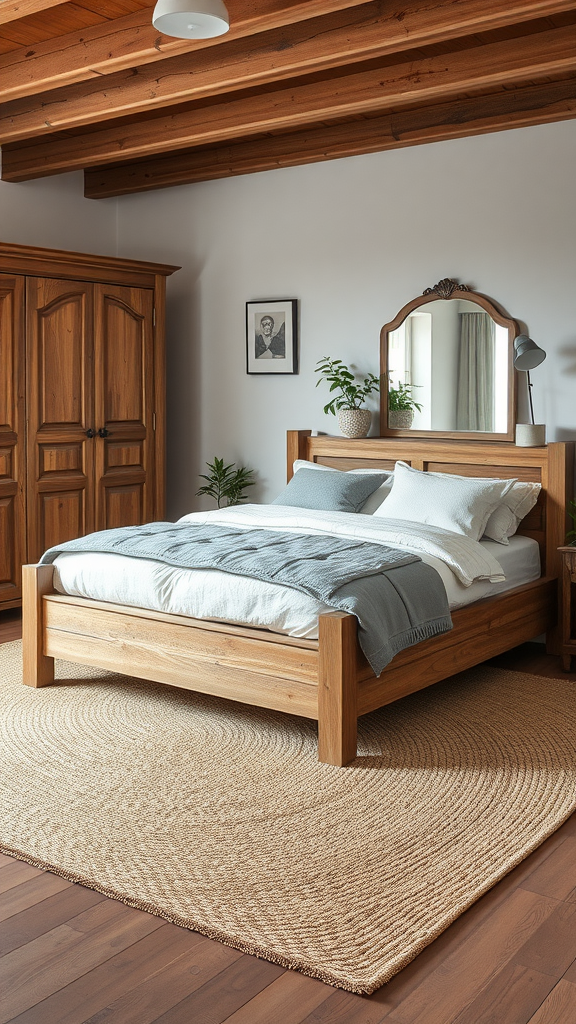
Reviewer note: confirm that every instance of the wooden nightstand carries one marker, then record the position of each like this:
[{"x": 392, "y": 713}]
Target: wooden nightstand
[{"x": 568, "y": 615}]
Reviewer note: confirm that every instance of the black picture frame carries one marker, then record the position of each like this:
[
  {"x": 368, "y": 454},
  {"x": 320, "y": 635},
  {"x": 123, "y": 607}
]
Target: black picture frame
[{"x": 272, "y": 336}]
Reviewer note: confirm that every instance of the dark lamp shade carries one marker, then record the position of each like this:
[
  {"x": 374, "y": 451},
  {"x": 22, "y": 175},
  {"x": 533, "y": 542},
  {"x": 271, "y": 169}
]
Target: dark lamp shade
[
  {"x": 527, "y": 354},
  {"x": 191, "y": 19}
]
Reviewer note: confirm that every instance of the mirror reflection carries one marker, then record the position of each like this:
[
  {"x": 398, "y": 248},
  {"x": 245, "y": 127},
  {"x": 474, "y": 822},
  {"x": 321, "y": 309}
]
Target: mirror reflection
[{"x": 452, "y": 359}]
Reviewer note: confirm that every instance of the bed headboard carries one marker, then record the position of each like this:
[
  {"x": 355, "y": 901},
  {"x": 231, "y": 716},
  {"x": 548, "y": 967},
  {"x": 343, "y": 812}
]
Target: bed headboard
[{"x": 552, "y": 466}]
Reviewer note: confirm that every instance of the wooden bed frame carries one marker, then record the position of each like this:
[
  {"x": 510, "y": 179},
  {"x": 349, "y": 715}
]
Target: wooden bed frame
[{"x": 328, "y": 679}]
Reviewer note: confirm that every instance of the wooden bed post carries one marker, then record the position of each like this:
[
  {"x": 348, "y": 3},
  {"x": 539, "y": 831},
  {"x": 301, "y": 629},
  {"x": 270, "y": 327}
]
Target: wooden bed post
[
  {"x": 38, "y": 670},
  {"x": 337, "y": 715},
  {"x": 296, "y": 448}
]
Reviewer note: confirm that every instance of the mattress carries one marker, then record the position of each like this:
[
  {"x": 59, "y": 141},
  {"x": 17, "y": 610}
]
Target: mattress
[{"x": 210, "y": 594}]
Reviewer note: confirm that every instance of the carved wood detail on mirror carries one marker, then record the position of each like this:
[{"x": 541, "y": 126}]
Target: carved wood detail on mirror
[{"x": 447, "y": 367}]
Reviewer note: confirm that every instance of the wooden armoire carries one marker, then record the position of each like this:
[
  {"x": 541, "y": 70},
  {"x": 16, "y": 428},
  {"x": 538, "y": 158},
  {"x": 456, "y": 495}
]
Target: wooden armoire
[{"x": 82, "y": 399}]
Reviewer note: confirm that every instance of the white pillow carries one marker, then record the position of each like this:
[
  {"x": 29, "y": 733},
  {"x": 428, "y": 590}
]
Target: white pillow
[
  {"x": 375, "y": 499},
  {"x": 458, "y": 503},
  {"x": 507, "y": 517}
]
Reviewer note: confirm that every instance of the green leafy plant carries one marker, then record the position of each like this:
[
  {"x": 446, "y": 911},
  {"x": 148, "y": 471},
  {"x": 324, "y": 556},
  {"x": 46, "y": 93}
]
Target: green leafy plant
[
  {"x": 571, "y": 535},
  {"x": 226, "y": 482},
  {"x": 340, "y": 378},
  {"x": 400, "y": 397}
]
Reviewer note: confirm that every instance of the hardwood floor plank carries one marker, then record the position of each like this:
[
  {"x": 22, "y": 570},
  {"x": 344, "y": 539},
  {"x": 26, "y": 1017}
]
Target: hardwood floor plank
[
  {"x": 513, "y": 995},
  {"x": 284, "y": 1000},
  {"x": 552, "y": 947},
  {"x": 164, "y": 988},
  {"x": 45, "y": 914},
  {"x": 31, "y": 893},
  {"x": 217, "y": 999},
  {"x": 128, "y": 986},
  {"x": 15, "y": 873},
  {"x": 461, "y": 977},
  {"x": 4, "y": 859},
  {"x": 559, "y": 1007},
  {"x": 48, "y": 963},
  {"x": 557, "y": 875},
  {"x": 346, "y": 1008}
]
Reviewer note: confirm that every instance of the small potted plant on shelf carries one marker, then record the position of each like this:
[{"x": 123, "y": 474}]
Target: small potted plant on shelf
[
  {"x": 353, "y": 418},
  {"x": 401, "y": 405},
  {"x": 226, "y": 482}
]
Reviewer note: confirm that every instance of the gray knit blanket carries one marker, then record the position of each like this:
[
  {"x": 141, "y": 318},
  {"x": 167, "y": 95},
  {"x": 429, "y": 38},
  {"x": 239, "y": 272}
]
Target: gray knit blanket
[{"x": 397, "y": 599}]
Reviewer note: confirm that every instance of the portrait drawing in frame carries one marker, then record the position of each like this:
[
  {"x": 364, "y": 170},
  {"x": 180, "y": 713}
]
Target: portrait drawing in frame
[{"x": 272, "y": 336}]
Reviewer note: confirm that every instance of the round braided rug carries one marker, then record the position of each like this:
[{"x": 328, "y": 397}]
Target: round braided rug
[{"x": 219, "y": 817}]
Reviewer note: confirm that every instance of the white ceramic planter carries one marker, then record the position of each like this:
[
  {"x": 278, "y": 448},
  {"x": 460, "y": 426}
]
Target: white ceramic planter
[
  {"x": 354, "y": 422},
  {"x": 530, "y": 435}
]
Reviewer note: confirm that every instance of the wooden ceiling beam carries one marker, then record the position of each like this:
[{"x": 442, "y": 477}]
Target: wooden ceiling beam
[
  {"x": 427, "y": 80},
  {"x": 350, "y": 36},
  {"x": 555, "y": 101},
  {"x": 132, "y": 41},
  {"x": 13, "y": 10}
]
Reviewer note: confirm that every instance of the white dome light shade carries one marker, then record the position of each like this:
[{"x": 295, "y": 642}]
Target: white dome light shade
[
  {"x": 191, "y": 19},
  {"x": 527, "y": 353}
]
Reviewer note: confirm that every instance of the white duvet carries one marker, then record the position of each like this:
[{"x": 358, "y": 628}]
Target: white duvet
[{"x": 468, "y": 569}]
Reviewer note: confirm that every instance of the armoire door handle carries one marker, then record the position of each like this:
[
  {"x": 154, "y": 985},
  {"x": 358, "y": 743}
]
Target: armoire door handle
[
  {"x": 103, "y": 432},
  {"x": 90, "y": 432}
]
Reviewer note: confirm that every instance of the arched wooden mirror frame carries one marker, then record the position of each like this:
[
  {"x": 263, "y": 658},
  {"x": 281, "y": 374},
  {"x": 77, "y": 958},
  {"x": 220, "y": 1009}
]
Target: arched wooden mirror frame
[{"x": 449, "y": 290}]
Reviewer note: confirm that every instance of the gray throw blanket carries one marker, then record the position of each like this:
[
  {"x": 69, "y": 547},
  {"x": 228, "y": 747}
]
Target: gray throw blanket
[{"x": 397, "y": 599}]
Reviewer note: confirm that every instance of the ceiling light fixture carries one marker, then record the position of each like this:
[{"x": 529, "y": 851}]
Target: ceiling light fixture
[{"x": 191, "y": 19}]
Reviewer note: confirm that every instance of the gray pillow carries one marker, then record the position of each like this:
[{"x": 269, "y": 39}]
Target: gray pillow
[{"x": 331, "y": 491}]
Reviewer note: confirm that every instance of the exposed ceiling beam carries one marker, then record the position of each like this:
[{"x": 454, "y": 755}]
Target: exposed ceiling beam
[
  {"x": 131, "y": 41},
  {"x": 353, "y": 35},
  {"x": 555, "y": 101},
  {"x": 417, "y": 81},
  {"x": 12, "y": 10}
]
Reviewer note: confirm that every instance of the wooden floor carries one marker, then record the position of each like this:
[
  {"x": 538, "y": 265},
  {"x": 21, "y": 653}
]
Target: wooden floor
[{"x": 70, "y": 956}]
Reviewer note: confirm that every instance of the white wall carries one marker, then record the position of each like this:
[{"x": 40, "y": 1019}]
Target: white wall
[
  {"x": 353, "y": 240},
  {"x": 53, "y": 212}
]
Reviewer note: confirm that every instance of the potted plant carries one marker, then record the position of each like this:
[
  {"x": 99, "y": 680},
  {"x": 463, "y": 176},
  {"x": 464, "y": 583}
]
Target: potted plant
[
  {"x": 226, "y": 482},
  {"x": 353, "y": 418},
  {"x": 401, "y": 405}
]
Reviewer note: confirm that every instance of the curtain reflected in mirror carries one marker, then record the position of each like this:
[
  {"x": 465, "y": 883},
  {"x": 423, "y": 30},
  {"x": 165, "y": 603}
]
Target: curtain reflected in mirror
[{"x": 454, "y": 358}]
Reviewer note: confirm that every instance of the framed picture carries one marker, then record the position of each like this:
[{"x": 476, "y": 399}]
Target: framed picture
[{"x": 272, "y": 336}]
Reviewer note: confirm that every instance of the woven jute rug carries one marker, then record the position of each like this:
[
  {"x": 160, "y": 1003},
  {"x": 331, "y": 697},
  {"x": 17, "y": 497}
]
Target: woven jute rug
[{"x": 218, "y": 817}]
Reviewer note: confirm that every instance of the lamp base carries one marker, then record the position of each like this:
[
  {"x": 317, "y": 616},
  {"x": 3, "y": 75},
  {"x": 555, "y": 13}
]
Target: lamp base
[{"x": 530, "y": 435}]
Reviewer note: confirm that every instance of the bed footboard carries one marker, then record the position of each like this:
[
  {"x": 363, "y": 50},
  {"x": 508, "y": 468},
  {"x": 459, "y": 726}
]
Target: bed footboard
[{"x": 304, "y": 677}]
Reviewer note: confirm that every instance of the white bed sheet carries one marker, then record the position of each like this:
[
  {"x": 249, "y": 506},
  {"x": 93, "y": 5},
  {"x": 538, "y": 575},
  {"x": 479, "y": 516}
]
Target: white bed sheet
[{"x": 210, "y": 594}]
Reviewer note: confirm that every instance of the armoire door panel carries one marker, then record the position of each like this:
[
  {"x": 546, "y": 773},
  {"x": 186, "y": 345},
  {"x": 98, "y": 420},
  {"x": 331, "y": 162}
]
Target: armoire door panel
[
  {"x": 121, "y": 454},
  {"x": 62, "y": 353},
  {"x": 6, "y": 460},
  {"x": 61, "y": 516},
  {"x": 124, "y": 405},
  {"x": 124, "y": 504},
  {"x": 7, "y": 548},
  {"x": 60, "y": 405},
  {"x": 12, "y": 438},
  {"x": 60, "y": 458},
  {"x": 124, "y": 358}
]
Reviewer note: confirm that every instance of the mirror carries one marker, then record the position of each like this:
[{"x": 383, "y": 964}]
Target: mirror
[{"x": 446, "y": 361}]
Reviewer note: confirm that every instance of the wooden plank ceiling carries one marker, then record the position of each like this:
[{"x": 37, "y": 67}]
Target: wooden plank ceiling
[{"x": 90, "y": 84}]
